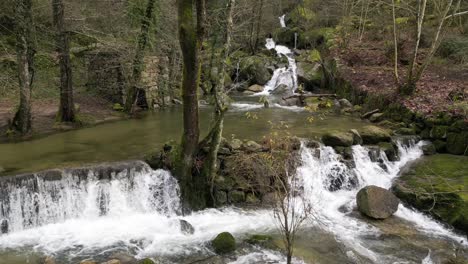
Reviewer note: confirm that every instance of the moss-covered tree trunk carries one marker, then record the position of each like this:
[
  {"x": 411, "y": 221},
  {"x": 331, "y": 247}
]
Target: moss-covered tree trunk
[
  {"x": 25, "y": 57},
  {"x": 134, "y": 93},
  {"x": 67, "y": 107},
  {"x": 191, "y": 32},
  {"x": 210, "y": 166}
]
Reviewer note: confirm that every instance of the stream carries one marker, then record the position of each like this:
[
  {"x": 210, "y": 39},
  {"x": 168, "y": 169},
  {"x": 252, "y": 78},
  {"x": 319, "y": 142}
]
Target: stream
[{"x": 76, "y": 217}]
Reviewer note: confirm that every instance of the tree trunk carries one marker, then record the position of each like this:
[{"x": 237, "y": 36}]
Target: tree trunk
[
  {"x": 215, "y": 135},
  {"x": 134, "y": 93},
  {"x": 67, "y": 107},
  {"x": 190, "y": 43},
  {"x": 25, "y": 57},
  {"x": 395, "y": 46}
]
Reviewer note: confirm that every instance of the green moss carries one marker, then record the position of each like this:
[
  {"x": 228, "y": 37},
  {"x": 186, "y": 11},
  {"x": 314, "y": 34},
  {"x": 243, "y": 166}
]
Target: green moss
[
  {"x": 457, "y": 143},
  {"x": 146, "y": 261},
  {"x": 439, "y": 132},
  {"x": 438, "y": 185},
  {"x": 224, "y": 243}
]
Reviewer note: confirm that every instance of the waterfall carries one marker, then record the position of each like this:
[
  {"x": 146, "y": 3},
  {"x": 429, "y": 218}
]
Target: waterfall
[
  {"x": 284, "y": 75},
  {"x": 85, "y": 212},
  {"x": 282, "y": 22}
]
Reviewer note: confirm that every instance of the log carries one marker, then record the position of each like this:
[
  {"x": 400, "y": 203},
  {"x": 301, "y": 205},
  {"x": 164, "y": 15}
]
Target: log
[
  {"x": 368, "y": 114},
  {"x": 309, "y": 96}
]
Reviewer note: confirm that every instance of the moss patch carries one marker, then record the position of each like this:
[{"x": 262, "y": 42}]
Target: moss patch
[{"x": 438, "y": 185}]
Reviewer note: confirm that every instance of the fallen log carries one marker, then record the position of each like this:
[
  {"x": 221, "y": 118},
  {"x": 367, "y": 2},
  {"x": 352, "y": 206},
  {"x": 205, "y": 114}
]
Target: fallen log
[
  {"x": 368, "y": 114},
  {"x": 309, "y": 96}
]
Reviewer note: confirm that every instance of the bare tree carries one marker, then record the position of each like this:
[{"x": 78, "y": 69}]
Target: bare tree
[
  {"x": 291, "y": 210},
  {"x": 25, "y": 57},
  {"x": 67, "y": 107}
]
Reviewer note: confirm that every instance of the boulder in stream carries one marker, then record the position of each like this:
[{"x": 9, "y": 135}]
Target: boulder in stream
[
  {"x": 185, "y": 227},
  {"x": 338, "y": 139},
  {"x": 4, "y": 226},
  {"x": 373, "y": 135},
  {"x": 376, "y": 202},
  {"x": 255, "y": 88},
  {"x": 224, "y": 243}
]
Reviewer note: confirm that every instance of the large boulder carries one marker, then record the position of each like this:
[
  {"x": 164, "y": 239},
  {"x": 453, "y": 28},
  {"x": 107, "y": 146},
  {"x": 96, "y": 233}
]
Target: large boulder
[
  {"x": 373, "y": 135},
  {"x": 338, "y": 139},
  {"x": 457, "y": 143},
  {"x": 376, "y": 202},
  {"x": 254, "y": 69},
  {"x": 255, "y": 88},
  {"x": 309, "y": 75},
  {"x": 224, "y": 243},
  {"x": 284, "y": 36}
]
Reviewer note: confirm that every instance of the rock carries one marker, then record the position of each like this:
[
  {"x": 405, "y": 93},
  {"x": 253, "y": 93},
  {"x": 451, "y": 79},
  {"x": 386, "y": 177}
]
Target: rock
[
  {"x": 312, "y": 143},
  {"x": 254, "y": 69},
  {"x": 284, "y": 36},
  {"x": 236, "y": 144},
  {"x": 282, "y": 90},
  {"x": 261, "y": 240},
  {"x": 376, "y": 202},
  {"x": 406, "y": 131},
  {"x": 224, "y": 243},
  {"x": 457, "y": 143},
  {"x": 436, "y": 184},
  {"x": 357, "y": 139},
  {"x": 237, "y": 197},
  {"x": 250, "y": 198},
  {"x": 345, "y": 152},
  {"x": 186, "y": 228},
  {"x": 269, "y": 198},
  {"x": 255, "y": 88},
  {"x": 441, "y": 146},
  {"x": 221, "y": 197},
  {"x": 344, "y": 103},
  {"x": 309, "y": 75},
  {"x": 2, "y": 169},
  {"x": 374, "y": 135},
  {"x": 123, "y": 258},
  {"x": 439, "y": 132},
  {"x": 176, "y": 101},
  {"x": 390, "y": 150},
  {"x": 252, "y": 146},
  {"x": 248, "y": 93},
  {"x": 146, "y": 261},
  {"x": 4, "y": 226},
  {"x": 429, "y": 149},
  {"x": 338, "y": 139},
  {"x": 377, "y": 117}
]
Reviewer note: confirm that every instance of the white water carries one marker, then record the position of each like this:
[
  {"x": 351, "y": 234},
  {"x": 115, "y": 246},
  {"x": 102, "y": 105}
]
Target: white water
[
  {"x": 284, "y": 75},
  {"x": 142, "y": 211}
]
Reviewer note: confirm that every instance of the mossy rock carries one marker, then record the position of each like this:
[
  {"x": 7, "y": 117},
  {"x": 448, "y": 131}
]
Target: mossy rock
[
  {"x": 438, "y": 185},
  {"x": 254, "y": 69},
  {"x": 439, "y": 132},
  {"x": 338, "y": 139},
  {"x": 261, "y": 240},
  {"x": 441, "y": 146},
  {"x": 224, "y": 243},
  {"x": 373, "y": 135},
  {"x": 457, "y": 143},
  {"x": 146, "y": 261},
  {"x": 406, "y": 131},
  {"x": 390, "y": 150}
]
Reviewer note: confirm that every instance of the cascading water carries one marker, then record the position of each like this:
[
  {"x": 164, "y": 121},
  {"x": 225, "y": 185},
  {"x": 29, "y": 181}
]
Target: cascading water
[
  {"x": 85, "y": 214},
  {"x": 285, "y": 75}
]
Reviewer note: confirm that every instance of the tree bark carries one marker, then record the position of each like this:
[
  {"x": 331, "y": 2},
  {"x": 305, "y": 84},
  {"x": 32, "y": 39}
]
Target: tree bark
[
  {"x": 190, "y": 38},
  {"x": 25, "y": 56},
  {"x": 134, "y": 93},
  {"x": 67, "y": 107}
]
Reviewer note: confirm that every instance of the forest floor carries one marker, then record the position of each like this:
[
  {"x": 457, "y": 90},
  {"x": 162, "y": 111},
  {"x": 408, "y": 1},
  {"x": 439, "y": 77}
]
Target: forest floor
[
  {"x": 443, "y": 87},
  {"x": 92, "y": 111}
]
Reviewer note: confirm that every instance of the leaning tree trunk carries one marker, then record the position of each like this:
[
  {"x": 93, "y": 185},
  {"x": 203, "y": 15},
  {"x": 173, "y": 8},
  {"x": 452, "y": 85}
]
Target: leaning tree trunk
[
  {"x": 190, "y": 38},
  {"x": 67, "y": 107},
  {"x": 134, "y": 93},
  {"x": 25, "y": 56}
]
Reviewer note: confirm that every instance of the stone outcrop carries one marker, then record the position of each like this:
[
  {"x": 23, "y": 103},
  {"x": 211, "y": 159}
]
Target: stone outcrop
[{"x": 224, "y": 243}]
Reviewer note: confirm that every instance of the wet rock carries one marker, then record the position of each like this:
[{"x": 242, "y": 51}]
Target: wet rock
[
  {"x": 429, "y": 149},
  {"x": 146, "y": 261},
  {"x": 221, "y": 197},
  {"x": 186, "y": 228},
  {"x": 269, "y": 198},
  {"x": 224, "y": 243},
  {"x": 113, "y": 261},
  {"x": 312, "y": 144},
  {"x": 48, "y": 260},
  {"x": 248, "y": 93},
  {"x": 376, "y": 202},
  {"x": 262, "y": 240},
  {"x": 357, "y": 139},
  {"x": 88, "y": 262},
  {"x": 374, "y": 135},
  {"x": 123, "y": 258},
  {"x": 255, "y": 88},
  {"x": 250, "y": 198},
  {"x": 253, "y": 69},
  {"x": 377, "y": 117},
  {"x": 338, "y": 139},
  {"x": 282, "y": 90},
  {"x": 345, "y": 152},
  {"x": 390, "y": 150},
  {"x": 252, "y": 146},
  {"x": 4, "y": 226}
]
